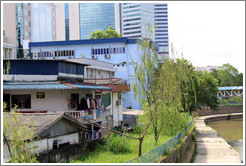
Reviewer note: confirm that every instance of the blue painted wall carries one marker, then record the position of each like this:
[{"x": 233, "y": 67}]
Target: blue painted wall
[
  {"x": 123, "y": 62},
  {"x": 32, "y": 67},
  {"x": 43, "y": 67}
]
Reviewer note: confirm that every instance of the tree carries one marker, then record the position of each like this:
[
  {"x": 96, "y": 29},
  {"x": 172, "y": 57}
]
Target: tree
[
  {"x": 186, "y": 78},
  {"x": 229, "y": 76},
  {"x": 19, "y": 138},
  {"x": 207, "y": 90},
  {"x": 108, "y": 33},
  {"x": 145, "y": 88}
]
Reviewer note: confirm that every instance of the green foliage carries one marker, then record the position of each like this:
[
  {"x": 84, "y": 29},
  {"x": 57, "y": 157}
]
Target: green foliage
[
  {"x": 207, "y": 89},
  {"x": 235, "y": 100},
  {"x": 228, "y": 75},
  {"x": 116, "y": 143},
  {"x": 108, "y": 33},
  {"x": 193, "y": 137},
  {"x": 224, "y": 101},
  {"x": 19, "y": 138}
]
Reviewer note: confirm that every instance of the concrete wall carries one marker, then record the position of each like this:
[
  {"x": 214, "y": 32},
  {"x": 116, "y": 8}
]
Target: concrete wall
[
  {"x": 182, "y": 154},
  {"x": 67, "y": 153},
  {"x": 47, "y": 144},
  {"x": 117, "y": 110},
  {"x": 54, "y": 101},
  {"x": 220, "y": 110}
]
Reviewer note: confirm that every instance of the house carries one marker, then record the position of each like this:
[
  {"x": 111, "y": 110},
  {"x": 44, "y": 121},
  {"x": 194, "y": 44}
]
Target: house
[
  {"x": 123, "y": 53},
  {"x": 55, "y": 86},
  {"x": 51, "y": 131},
  {"x": 117, "y": 88}
]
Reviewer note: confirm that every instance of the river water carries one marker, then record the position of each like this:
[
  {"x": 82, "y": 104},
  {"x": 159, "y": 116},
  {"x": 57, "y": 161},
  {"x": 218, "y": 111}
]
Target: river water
[{"x": 232, "y": 132}]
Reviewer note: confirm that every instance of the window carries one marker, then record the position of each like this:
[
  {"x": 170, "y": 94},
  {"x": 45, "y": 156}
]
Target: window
[
  {"x": 30, "y": 34},
  {"x": 25, "y": 12},
  {"x": 26, "y": 33},
  {"x": 40, "y": 95},
  {"x": 21, "y": 101},
  {"x": 55, "y": 145},
  {"x": 3, "y": 33},
  {"x": 3, "y": 22},
  {"x": 29, "y": 13},
  {"x": 25, "y": 23},
  {"x": 29, "y": 23}
]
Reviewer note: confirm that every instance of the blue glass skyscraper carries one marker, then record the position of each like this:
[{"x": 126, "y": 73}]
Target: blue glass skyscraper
[{"x": 95, "y": 16}]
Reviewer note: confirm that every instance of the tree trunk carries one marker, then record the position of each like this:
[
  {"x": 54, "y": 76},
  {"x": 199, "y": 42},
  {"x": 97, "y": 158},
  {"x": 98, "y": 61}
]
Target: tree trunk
[{"x": 140, "y": 146}]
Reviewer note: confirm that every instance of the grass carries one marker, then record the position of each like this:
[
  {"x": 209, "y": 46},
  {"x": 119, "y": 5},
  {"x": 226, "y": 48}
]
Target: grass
[{"x": 102, "y": 155}]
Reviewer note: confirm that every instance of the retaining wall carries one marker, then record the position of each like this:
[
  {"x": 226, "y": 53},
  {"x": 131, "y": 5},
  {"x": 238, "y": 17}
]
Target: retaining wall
[
  {"x": 182, "y": 153},
  {"x": 65, "y": 154},
  {"x": 220, "y": 110}
]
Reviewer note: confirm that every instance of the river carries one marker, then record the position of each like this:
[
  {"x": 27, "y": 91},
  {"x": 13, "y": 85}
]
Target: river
[{"x": 232, "y": 132}]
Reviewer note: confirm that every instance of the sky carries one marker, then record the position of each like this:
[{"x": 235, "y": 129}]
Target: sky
[{"x": 208, "y": 32}]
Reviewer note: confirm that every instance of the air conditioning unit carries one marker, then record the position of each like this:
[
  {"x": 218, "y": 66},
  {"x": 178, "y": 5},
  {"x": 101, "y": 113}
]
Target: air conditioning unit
[
  {"x": 94, "y": 57},
  {"x": 118, "y": 102},
  {"x": 107, "y": 56}
]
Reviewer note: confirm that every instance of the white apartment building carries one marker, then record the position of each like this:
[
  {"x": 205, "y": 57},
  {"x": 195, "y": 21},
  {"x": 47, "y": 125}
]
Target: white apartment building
[{"x": 137, "y": 17}]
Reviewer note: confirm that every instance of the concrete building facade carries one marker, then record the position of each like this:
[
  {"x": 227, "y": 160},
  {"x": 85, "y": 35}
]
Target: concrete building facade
[
  {"x": 25, "y": 22},
  {"x": 137, "y": 18},
  {"x": 123, "y": 53}
]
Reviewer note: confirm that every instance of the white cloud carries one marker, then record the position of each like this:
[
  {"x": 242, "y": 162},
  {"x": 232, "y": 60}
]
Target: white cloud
[{"x": 211, "y": 33}]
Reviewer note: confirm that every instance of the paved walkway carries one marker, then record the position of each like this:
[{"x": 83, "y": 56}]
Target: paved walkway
[{"x": 211, "y": 148}]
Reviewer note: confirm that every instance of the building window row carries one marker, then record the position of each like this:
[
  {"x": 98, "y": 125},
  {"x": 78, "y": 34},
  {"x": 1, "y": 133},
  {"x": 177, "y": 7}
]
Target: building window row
[
  {"x": 128, "y": 33},
  {"x": 132, "y": 28},
  {"x": 161, "y": 34},
  {"x": 133, "y": 6},
  {"x": 132, "y": 15},
  {"x": 161, "y": 5},
  {"x": 160, "y": 8},
  {"x": 134, "y": 19},
  {"x": 129, "y": 24},
  {"x": 161, "y": 16},
  {"x": 161, "y": 38},
  {"x": 131, "y": 11},
  {"x": 160, "y": 12},
  {"x": 163, "y": 45},
  {"x": 162, "y": 42},
  {"x": 161, "y": 23},
  {"x": 161, "y": 19},
  {"x": 161, "y": 30},
  {"x": 47, "y": 54},
  {"x": 116, "y": 50}
]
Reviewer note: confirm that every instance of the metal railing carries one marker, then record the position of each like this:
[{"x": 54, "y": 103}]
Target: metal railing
[{"x": 159, "y": 151}]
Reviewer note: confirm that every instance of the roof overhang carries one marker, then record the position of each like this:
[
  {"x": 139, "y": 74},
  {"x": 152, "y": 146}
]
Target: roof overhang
[{"x": 42, "y": 85}]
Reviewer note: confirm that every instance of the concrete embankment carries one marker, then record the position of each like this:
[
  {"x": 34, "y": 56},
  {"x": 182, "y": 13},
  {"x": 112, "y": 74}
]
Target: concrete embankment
[{"x": 211, "y": 148}]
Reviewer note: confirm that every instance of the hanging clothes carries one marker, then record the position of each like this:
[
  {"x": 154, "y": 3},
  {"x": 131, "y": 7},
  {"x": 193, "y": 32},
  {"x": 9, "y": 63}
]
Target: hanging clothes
[
  {"x": 83, "y": 103},
  {"x": 88, "y": 102},
  {"x": 100, "y": 104}
]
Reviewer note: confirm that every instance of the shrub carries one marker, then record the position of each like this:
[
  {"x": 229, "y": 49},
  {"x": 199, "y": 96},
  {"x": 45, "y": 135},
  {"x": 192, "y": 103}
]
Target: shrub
[
  {"x": 235, "y": 100},
  {"x": 117, "y": 143},
  {"x": 224, "y": 101}
]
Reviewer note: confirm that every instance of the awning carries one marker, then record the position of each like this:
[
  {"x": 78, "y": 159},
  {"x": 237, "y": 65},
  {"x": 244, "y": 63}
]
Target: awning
[
  {"x": 231, "y": 88},
  {"x": 23, "y": 85}
]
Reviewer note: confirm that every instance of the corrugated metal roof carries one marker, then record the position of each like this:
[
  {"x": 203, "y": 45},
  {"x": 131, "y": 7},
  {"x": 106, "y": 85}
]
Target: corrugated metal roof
[
  {"x": 81, "y": 86},
  {"x": 35, "y": 86},
  {"x": 231, "y": 88},
  {"x": 30, "y": 85}
]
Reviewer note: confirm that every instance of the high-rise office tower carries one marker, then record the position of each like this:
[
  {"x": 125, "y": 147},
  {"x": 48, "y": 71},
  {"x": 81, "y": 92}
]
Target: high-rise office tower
[
  {"x": 78, "y": 20},
  {"x": 137, "y": 17},
  {"x": 161, "y": 28},
  {"x": 24, "y": 22}
]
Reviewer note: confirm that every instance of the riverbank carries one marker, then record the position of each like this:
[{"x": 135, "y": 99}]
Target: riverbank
[{"x": 211, "y": 148}]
